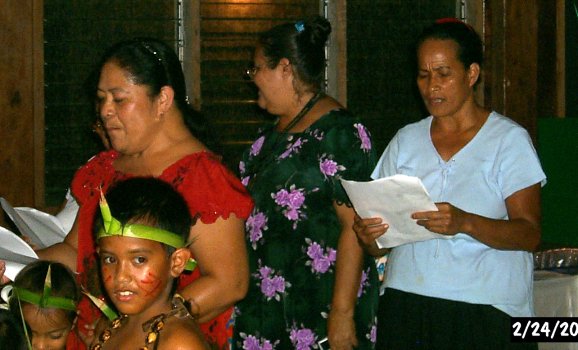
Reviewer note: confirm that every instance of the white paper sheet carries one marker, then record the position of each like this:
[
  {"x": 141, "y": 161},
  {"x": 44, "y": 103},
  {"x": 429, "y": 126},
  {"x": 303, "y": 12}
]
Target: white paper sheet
[
  {"x": 15, "y": 252},
  {"x": 42, "y": 228},
  {"x": 393, "y": 199},
  {"x": 48, "y": 227},
  {"x": 67, "y": 215}
]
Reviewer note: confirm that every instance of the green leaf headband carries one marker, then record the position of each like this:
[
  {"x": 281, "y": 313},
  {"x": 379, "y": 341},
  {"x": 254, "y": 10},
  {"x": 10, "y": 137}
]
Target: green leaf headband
[
  {"x": 44, "y": 300},
  {"x": 113, "y": 227},
  {"x": 106, "y": 310}
]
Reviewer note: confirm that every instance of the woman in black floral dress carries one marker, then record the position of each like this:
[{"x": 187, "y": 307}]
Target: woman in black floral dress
[{"x": 311, "y": 286}]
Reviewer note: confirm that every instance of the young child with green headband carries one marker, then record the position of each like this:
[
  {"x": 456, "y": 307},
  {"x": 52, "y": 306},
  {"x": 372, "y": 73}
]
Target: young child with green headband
[
  {"x": 141, "y": 233},
  {"x": 44, "y": 296}
]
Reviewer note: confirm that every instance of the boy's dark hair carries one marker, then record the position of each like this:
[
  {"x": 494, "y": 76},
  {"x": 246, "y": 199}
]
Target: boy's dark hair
[
  {"x": 148, "y": 201},
  {"x": 32, "y": 278}
]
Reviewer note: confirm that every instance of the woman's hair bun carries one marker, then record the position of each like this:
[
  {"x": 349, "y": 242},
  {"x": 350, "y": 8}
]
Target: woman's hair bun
[{"x": 318, "y": 28}]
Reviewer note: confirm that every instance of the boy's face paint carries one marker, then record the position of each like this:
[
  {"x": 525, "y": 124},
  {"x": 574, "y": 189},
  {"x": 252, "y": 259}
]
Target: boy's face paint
[
  {"x": 49, "y": 328},
  {"x": 136, "y": 274}
]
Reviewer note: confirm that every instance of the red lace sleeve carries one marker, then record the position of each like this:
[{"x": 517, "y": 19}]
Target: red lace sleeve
[
  {"x": 97, "y": 172},
  {"x": 210, "y": 189}
]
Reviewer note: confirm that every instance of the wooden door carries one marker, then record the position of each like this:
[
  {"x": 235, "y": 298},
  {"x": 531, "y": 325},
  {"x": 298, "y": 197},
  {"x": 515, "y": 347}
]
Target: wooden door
[{"x": 21, "y": 101}]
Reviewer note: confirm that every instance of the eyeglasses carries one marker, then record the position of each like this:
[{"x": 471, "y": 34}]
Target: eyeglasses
[{"x": 252, "y": 71}]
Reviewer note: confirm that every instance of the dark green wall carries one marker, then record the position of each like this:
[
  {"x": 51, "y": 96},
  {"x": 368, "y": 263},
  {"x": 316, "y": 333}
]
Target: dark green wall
[{"x": 558, "y": 150}]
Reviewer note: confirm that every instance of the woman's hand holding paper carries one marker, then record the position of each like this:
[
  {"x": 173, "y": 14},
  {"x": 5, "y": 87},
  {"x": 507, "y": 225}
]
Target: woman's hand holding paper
[
  {"x": 447, "y": 220},
  {"x": 367, "y": 231}
]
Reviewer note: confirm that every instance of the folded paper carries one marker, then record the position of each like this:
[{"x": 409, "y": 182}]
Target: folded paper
[
  {"x": 15, "y": 252},
  {"x": 393, "y": 199},
  {"x": 41, "y": 228}
]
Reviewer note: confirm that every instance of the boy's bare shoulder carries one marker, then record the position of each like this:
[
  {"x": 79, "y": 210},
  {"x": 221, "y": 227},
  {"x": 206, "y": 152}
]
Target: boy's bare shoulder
[{"x": 182, "y": 334}]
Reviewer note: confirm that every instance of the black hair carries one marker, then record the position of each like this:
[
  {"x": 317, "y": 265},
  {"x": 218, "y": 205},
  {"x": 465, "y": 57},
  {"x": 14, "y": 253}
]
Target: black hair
[
  {"x": 470, "y": 46},
  {"x": 149, "y": 201},
  {"x": 153, "y": 63},
  {"x": 32, "y": 278},
  {"x": 11, "y": 333},
  {"x": 303, "y": 44}
]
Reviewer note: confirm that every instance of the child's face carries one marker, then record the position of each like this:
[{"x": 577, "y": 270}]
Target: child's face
[
  {"x": 49, "y": 328},
  {"x": 136, "y": 273}
]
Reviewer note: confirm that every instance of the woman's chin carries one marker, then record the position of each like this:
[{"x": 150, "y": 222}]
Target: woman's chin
[
  {"x": 261, "y": 103},
  {"x": 118, "y": 146}
]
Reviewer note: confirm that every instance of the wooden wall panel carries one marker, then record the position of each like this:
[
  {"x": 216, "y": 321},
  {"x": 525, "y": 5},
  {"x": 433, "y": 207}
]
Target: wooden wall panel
[
  {"x": 17, "y": 101},
  {"x": 511, "y": 73},
  {"x": 337, "y": 51},
  {"x": 521, "y": 56},
  {"x": 548, "y": 60}
]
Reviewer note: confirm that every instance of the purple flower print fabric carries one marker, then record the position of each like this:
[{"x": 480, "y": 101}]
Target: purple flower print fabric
[{"x": 293, "y": 232}]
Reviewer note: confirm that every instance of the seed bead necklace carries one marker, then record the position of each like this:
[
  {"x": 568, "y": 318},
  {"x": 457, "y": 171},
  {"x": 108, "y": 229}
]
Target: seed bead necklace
[
  {"x": 302, "y": 113},
  {"x": 153, "y": 326}
]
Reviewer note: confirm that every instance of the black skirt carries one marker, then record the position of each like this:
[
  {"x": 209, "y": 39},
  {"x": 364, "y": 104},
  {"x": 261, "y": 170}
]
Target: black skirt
[{"x": 410, "y": 321}]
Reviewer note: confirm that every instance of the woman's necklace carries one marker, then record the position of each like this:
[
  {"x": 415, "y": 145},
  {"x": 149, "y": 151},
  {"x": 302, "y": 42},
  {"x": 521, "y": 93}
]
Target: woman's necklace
[
  {"x": 269, "y": 154},
  {"x": 153, "y": 326},
  {"x": 302, "y": 113}
]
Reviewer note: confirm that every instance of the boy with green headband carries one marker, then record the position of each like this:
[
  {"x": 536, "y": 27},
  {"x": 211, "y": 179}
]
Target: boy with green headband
[
  {"x": 141, "y": 232},
  {"x": 44, "y": 296}
]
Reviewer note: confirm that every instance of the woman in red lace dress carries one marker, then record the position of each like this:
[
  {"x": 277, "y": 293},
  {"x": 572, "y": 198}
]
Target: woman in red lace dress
[{"x": 154, "y": 132}]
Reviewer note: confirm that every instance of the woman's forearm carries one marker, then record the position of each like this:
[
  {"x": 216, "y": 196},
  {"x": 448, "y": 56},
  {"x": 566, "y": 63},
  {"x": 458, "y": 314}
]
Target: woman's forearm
[
  {"x": 208, "y": 297},
  {"x": 221, "y": 254},
  {"x": 61, "y": 252}
]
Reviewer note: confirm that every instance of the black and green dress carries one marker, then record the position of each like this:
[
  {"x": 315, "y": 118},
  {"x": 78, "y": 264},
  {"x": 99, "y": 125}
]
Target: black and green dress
[{"x": 293, "y": 231}]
